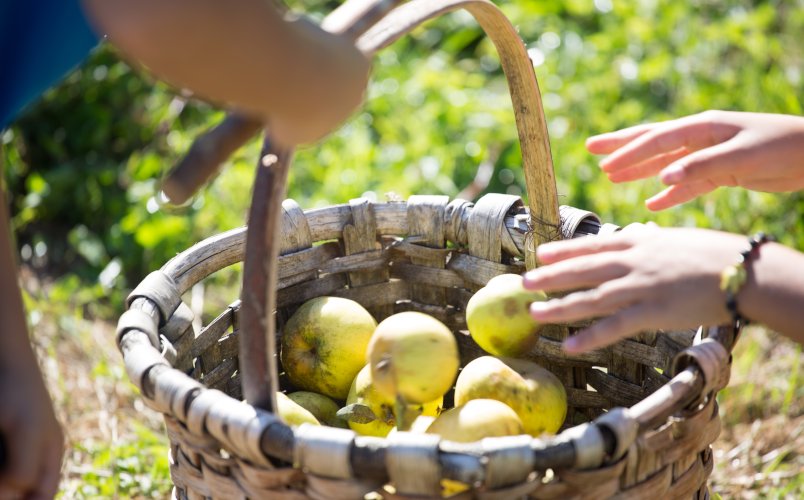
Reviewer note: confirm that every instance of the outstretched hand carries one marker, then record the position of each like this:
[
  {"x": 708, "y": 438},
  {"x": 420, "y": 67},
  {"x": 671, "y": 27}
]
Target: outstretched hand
[
  {"x": 697, "y": 154},
  {"x": 639, "y": 279}
]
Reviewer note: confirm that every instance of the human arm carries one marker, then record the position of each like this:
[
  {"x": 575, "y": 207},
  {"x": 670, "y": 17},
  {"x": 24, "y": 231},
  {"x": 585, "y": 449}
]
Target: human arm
[
  {"x": 300, "y": 79},
  {"x": 697, "y": 154},
  {"x": 655, "y": 278},
  {"x": 31, "y": 434}
]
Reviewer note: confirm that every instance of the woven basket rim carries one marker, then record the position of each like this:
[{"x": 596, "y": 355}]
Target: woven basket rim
[{"x": 595, "y": 444}]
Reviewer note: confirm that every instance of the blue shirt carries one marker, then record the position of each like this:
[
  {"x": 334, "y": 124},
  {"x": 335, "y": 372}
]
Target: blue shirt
[{"x": 40, "y": 41}]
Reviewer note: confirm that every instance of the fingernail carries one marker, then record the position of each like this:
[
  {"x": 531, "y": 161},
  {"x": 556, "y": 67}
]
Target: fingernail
[
  {"x": 571, "y": 345},
  {"x": 671, "y": 175},
  {"x": 591, "y": 139},
  {"x": 538, "y": 307},
  {"x": 651, "y": 204},
  {"x": 545, "y": 250}
]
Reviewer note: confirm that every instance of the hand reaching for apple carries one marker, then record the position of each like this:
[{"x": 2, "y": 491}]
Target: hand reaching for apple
[
  {"x": 697, "y": 154},
  {"x": 656, "y": 278}
]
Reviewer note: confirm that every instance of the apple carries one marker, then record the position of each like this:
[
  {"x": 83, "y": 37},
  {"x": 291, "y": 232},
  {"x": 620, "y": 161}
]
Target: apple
[
  {"x": 477, "y": 419},
  {"x": 498, "y": 319},
  {"x": 292, "y": 413},
  {"x": 413, "y": 357},
  {"x": 535, "y": 394},
  {"x": 322, "y": 407},
  {"x": 324, "y": 345},
  {"x": 374, "y": 414}
]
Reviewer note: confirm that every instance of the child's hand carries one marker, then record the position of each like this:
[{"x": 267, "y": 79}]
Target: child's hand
[
  {"x": 33, "y": 440},
  {"x": 641, "y": 279},
  {"x": 697, "y": 154}
]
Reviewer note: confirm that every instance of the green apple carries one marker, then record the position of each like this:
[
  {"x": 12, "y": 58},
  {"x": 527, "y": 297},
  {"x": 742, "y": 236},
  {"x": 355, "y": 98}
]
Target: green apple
[
  {"x": 498, "y": 319},
  {"x": 322, "y": 407},
  {"x": 292, "y": 413},
  {"x": 535, "y": 394},
  {"x": 375, "y": 415},
  {"x": 413, "y": 357},
  {"x": 324, "y": 345},
  {"x": 477, "y": 419}
]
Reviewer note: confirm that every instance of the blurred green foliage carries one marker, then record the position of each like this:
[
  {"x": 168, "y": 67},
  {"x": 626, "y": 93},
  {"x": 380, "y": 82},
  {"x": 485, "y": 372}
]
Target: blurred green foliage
[{"x": 84, "y": 163}]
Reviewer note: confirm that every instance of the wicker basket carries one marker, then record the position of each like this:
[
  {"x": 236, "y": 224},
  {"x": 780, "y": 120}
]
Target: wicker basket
[{"x": 632, "y": 431}]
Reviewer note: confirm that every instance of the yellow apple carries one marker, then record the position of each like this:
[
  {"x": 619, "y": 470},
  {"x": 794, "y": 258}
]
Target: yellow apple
[
  {"x": 413, "y": 357},
  {"x": 477, "y": 419},
  {"x": 324, "y": 345},
  {"x": 535, "y": 394},
  {"x": 322, "y": 407},
  {"x": 473, "y": 421},
  {"x": 292, "y": 413},
  {"x": 381, "y": 406},
  {"x": 498, "y": 319}
]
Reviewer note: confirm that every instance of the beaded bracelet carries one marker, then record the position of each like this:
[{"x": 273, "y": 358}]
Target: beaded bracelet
[{"x": 734, "y": 277}]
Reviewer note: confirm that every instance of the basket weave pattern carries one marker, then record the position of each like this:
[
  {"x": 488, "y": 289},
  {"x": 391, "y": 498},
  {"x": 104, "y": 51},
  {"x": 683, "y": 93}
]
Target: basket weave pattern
[{"x": 430, "y": 256}]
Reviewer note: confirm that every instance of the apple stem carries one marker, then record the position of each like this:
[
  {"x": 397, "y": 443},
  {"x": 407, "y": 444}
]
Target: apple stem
[{"x": 405, "y": 413}]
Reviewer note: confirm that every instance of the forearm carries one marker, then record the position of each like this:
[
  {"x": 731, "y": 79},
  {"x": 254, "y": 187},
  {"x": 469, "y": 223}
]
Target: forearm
[
  {"x": 14, "y": 342},
  {"x": 774, "y": 293},
  {"x": 241, "y": 53}
]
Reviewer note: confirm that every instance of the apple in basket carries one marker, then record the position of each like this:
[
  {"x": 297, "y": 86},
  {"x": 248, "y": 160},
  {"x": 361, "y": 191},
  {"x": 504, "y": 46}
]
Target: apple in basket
[
  {"x": 498, "y": 319},
  {"x": 324, "y": 345},
  {"x": 535, "y": 394},
  {"x": 414, "y": 360},
  {"x": 413, "y": 356},
  {"x": 322, "y": 407},
  {"x": 474, "y": 420},
  {"x": 477, "y": 419},
  {"x": 372, "y": 413},
  {"x": 293, "y": 413}
]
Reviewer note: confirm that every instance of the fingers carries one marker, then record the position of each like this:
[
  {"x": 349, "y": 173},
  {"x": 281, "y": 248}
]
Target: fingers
[
  {"x": 719, "y": 161},
  {"x": 678, "y": 194},
  {"x": 556, "y": 251},
  {"x": 604, "y": 300},
  {"x": 581, "y": 272},
  {"x": 609, "y": 142},
  {"x": 692, "y": 133},
  {"x": 648, "y": 168},
  {"x": 622, "y": 324}
]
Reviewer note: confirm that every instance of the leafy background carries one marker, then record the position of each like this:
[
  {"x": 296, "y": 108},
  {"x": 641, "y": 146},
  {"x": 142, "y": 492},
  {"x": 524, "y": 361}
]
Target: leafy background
[{"x": 83, "y": 166}]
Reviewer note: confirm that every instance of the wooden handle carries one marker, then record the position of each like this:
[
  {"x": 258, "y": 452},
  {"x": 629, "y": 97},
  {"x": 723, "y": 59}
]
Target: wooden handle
[
  {"x": 211, "y": 149},
  {"x": 257, "y": 352},
  {"x": 525, "y": 96},
  {"x": 206, "y": 156}
]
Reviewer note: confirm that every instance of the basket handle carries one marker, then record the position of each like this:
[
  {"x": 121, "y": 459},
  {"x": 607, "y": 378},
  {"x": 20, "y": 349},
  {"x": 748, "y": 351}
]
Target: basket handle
[
  {"x": 257, "y": 348},
  {"x": 526, "y": 99},
  {"x": 213, "y": 147}
]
